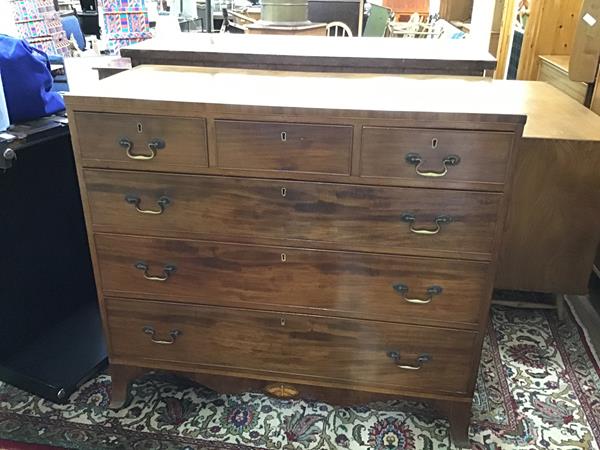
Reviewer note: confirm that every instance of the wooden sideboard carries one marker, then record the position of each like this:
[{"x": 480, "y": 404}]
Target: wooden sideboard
[
  {"x": 554, "y": 70},
  {"x": 311, "y": 29},
  {"x": 553, "y": 226},
  {"x": 304, "y": 238},
  {"x": 316, "y": 54}
]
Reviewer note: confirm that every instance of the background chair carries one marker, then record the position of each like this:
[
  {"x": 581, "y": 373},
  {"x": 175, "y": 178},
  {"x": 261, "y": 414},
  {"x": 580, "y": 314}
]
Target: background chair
[
  {"x": 338, "y": 29},
  {"x": 229, "y": 25},
  {"x": 377, "y": 23}
]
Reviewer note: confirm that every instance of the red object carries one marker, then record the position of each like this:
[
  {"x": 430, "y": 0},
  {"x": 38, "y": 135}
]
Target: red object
[
  {"x": 404, "y": 8},
  {"x": 11, "y": 445}
]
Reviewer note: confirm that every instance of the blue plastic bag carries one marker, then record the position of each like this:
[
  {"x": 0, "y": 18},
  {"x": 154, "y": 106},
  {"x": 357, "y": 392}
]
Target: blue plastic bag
[{"x": 27, "y": 81}]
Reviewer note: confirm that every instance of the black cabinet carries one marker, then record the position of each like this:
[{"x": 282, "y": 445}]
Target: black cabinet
[
  {"x": 50, "y": 331},
  {"x": 325, "y": 11}
]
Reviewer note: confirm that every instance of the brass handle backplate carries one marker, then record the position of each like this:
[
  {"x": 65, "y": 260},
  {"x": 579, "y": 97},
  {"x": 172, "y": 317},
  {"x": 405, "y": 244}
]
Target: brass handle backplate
[
  {"x": 423, "y": 358},
  {"x": 281, "y": 391},
  {"x": 403, "y": 289},
  {"x": 167, "y": 271},
  {"x": 416, "y": 160},
  {"x": 439, "y": 221},
  {"x": 153, "y": 146},
  {"x": 173, "y": 335},
  {"x": 162, "y": 202}
]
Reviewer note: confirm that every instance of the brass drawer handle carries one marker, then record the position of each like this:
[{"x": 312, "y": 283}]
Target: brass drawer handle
[
  {"x": 423, "y": 358},
  {"x": 162, "y": 204},
  {"x": 173, "y": 334},
  {"x": 403, "y": 289},
  {"x": 439, "y": 221},
  {"x": 167, "y": 271},
  {"x": 153, "y": 146},
  {"x": 416, "y": 160}
]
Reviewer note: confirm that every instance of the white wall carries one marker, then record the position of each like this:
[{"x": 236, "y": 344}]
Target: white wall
[
  {"x": 481, "y": 22},
  {"x": 7, "y": 25}
]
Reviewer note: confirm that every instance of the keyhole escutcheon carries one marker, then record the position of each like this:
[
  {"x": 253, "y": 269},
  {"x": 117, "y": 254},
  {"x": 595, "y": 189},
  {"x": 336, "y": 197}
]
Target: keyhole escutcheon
[
  {"x": 434, "y": 143},
  {"x": 139, "y": 127},
  {"x": 283, "y": 192},
  {"x": 283, "y": 136}
]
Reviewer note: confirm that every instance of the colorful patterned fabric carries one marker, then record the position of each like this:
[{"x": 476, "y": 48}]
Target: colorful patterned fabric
[
  {"x": 129, "y": 22},
  {"x": 46, "y": 45},
  {"x": 46, "y": 6},
  {"x": 25, "y": 10},
  {"x": 39, "y": 23},
  {"x": 125, "y": 23},
  {"x": 33, "y": 28},
  {"x": 122, "y": 5},
  {"x": 538, "y": 388},
  {"x": 117, "y": 41}
]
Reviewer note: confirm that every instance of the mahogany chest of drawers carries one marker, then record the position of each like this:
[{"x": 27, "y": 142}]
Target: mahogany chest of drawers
[{"x": 335, "y": 246}]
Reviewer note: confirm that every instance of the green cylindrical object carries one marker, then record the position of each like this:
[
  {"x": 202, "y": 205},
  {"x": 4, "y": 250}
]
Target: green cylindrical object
[{"x": 285, "y": 12}]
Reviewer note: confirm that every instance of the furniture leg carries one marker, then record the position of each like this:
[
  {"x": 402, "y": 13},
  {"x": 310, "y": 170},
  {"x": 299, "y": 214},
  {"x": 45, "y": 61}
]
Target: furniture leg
[
  {"x": 459, "y": 416},
  {"x": 121, "y": 376},
  {"x": 560, "y": 306}
]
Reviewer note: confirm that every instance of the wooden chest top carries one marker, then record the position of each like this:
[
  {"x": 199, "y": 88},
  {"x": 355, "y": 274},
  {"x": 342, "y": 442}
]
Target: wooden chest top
[{"x": 341, "y": 95}]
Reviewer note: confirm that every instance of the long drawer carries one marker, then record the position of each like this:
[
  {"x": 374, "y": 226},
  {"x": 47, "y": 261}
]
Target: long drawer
[
  {"x": 390, "y": 288},
  {"x": 436, "y": 157},
  {"x": 142, "y": 142},
  {"x": 377, "y": 219},
  {"x": 359, "y": 352}
]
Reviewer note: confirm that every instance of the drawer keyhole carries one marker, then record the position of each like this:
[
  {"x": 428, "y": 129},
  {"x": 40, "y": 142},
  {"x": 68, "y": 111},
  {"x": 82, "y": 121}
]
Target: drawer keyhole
[
  {"x": 283, "y": 257},
  {"x": 283, "y": 321},
  {"x": 283, "y": 192},
  {"x": 139, "y": 127},
  {"x": 434, "y": 143},
  {"x": 283, "y": 136}
]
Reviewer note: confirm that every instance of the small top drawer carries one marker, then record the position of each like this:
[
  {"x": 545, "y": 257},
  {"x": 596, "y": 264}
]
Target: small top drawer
[
  {"x": 436, "y": 157},
  {"x": 141, "y": 141},
  {"x": 283, "y": 146}
]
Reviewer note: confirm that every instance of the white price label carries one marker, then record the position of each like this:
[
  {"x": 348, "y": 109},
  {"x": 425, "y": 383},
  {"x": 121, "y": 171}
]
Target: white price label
[{"x": 589, "y": 19}]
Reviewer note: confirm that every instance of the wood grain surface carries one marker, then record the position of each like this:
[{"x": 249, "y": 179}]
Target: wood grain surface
[
  {"x": 550, "y": 31},
  {"x": 554, "y": 70},
  {"x": 312, "y": 94},
  {"x": 296, "y": 213},
  {"x": 322, "y": 282},
  {"x": 585, "y": 51},
  {"x": 550, "y": 113},
  {"x": 345, "y": 350},
  {"x": 184, "y": 140},
  {"x": 296, "y": 147},
  {"x": 553, "y": 225},
  {"x": 294, "y": 268},
  {"x": 312, "y": 53},
  {"x": 482, "y": 156}
]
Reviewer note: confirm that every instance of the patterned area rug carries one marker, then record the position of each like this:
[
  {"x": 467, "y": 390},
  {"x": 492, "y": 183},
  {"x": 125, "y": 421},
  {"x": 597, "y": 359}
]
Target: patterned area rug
[{"x": 538, "y": 388}]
